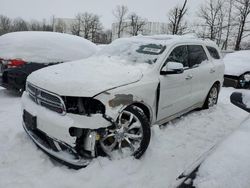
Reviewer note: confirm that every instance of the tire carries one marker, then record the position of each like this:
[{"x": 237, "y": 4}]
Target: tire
[
  {"x": 212, "y": 97},
  {"x": 132, "y": 133},
  {"x": 242, "y": 83}
]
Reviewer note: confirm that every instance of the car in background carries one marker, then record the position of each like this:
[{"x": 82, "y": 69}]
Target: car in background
[
  {"x": 226, "y": 164},
  {"x": 21, "y": 53},
  {"x": 105, "y": 105},
  {"x": 237, "y": 69}
]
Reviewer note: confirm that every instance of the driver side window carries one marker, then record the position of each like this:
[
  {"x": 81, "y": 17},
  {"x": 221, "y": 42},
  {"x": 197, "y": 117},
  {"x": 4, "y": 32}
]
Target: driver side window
[{"x": 179, "y": 55}]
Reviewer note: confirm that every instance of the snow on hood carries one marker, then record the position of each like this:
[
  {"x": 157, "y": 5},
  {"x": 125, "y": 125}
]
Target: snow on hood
[
  {"x": 237, "y": 63},
  {"x": 87, "y": 77},
  {"x": 44, "y": 47}
]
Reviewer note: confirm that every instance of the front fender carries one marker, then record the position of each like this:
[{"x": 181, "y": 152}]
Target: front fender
[{"x": 118, "y": 99}]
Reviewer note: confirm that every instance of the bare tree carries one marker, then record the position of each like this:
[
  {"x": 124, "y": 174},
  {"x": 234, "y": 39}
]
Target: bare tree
[
  {"x": 19, "y": 25},
  {"x": 95, "y": 28},
  {"x": 35, "y": 25},
  {"x": 76, "y": 26},
  {"x": 60, "y": 26},
  {"x": 87, "y": 25},
  {"x": 176, "y": 18},
  {"x": 120, "y": 13},
  {"x": 229, "y": 23},
  {"x": 243, "y": 10},
  {"x": 5, "y": 24},
  {"x": 136, "y": 24},
  {"x": 210, "y": 13}
]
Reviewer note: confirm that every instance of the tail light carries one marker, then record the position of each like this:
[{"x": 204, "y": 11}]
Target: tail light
[{"x": 15, "y": 63}]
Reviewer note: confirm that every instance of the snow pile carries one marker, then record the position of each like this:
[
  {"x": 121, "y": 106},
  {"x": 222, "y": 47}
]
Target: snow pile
[
  {"x": 172, "y": 149},
  {"x": 237, "y": 63},
  {"x": 44, "y": 47},
  {"x": 229, "y": 165}
]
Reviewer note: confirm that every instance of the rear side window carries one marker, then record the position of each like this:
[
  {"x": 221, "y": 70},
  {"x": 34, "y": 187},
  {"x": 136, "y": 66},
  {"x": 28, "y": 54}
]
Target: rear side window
[
  {"x": 180, "y": 55},
  {"x": 196, "y": 55},
  {"x": 213, "y": 52}
]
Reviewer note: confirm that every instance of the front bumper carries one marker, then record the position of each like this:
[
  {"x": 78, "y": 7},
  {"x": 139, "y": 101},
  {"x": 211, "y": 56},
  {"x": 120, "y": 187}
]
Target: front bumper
[
  {"x": 52, "y": 132},
  {"x": 56, "y": 149},
  {"x": 57, "y": 125}
]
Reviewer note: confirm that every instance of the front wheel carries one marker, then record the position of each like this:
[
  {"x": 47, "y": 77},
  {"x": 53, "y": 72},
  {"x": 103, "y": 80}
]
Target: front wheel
[
  {"x": 212, "y": 97},
  {"x": 130, "y": 136}
]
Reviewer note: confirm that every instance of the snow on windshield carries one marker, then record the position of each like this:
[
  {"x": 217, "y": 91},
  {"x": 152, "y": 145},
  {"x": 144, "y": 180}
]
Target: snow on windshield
[
  {"x": 45, "y": 47},
  {"x": 134, "y": 49}
]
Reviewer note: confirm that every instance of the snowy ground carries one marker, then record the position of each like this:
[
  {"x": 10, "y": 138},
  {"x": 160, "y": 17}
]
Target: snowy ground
[{"x": 173, "y": 149}]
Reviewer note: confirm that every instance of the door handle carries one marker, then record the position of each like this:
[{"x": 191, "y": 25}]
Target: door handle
[
  {"x": 212, "y": 70},
  {"x": 189, "y": 77}
]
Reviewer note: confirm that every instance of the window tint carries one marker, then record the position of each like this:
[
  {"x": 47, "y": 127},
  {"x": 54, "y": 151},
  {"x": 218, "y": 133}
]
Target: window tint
[
  {"x": 196, "y": 55},
  {"x": 213, "y": 52},
  {"x": 180, "y": 55}
]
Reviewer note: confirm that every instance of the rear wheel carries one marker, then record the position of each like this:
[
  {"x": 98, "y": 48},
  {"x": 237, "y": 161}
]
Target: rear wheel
[
  {"x": 130, "y": 136},
  {"x": 212, "y": 97}
]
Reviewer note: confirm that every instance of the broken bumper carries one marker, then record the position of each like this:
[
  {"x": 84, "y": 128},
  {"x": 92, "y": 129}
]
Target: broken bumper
[
  {"x": 56, "y": 149},
  {"x": 57, "y": 125}
]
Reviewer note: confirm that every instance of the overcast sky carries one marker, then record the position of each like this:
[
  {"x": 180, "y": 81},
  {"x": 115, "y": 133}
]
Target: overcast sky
[{"x": 153, "y": 10}]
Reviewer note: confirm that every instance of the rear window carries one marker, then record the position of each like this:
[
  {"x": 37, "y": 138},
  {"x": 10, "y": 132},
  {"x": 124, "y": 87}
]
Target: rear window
[
  {"x": 213, "y": 52},
  {"x": 196, "y": 55}
]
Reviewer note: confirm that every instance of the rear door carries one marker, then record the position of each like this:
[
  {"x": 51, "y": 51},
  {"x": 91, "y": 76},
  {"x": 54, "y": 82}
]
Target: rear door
[{"x": 202, "y": 68}]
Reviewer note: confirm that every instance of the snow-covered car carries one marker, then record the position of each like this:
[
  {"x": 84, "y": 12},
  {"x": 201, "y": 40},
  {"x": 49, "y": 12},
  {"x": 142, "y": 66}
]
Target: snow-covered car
[
  {"x": 227, "y": 164},
  {"x": 237, "y": 69},
  {"x": 21, "y": 53},
  {"x": 105, "y": 105}
]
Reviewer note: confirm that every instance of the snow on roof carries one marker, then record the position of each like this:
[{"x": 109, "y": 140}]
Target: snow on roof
[
  {"x": 166, "y": 39},
  {"x": 237, "y": 63},
  {"x": 44, "y": 47}
]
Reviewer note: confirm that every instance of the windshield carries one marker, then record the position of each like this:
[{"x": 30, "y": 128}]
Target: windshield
[{"x": 134, "y": 51}]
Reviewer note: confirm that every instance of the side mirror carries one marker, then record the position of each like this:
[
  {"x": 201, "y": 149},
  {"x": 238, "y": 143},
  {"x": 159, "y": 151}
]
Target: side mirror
[
  {"x": 172, "y": 68},
  {"x": 238, "y": 100}
]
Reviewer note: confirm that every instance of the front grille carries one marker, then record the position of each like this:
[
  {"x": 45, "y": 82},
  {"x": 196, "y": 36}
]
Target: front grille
[{"x": 46, "y": 99}]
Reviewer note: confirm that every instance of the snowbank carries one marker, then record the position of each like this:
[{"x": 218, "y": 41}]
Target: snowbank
[
  {"x": 229, "y": 165},
  {"x": 237, "y": 63},
  {"x": 44, "y": 47}
]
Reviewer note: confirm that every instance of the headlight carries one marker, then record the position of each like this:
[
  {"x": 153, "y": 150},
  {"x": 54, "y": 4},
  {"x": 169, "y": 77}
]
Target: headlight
[
  {"x": 83, "y": 105},
  {"x": 247, "y": 77}
]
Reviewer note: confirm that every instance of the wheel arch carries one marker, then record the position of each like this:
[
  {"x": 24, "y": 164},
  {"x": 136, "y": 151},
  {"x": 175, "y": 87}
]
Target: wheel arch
[
  {"x": 218, "y": 84},
  {"x": 145, "y": 108}
]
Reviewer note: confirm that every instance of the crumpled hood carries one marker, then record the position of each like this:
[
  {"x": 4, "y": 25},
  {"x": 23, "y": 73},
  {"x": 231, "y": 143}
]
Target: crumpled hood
[{"x": 86, "y": 77}]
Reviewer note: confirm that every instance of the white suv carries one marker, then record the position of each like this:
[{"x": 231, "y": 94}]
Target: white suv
[{"x": 106, "y": 104}]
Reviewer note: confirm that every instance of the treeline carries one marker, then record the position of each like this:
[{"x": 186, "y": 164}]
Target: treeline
[
  {"x": 224, "y": 21},
  {"x": 18, "y": 24}
]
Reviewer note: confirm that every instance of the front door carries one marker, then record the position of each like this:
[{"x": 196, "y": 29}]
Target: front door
[{"x": 175, "y": 89}]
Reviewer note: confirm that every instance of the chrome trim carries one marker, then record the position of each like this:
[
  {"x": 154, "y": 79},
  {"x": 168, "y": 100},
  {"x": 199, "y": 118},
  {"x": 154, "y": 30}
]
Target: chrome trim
[
  {"x": 37, "y": 98},
  {"x": 79, "y": 162}
]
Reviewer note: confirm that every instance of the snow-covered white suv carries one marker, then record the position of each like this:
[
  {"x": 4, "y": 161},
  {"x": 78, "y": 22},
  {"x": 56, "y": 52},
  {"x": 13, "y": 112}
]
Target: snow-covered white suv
[{"x": 106, "y": 104}]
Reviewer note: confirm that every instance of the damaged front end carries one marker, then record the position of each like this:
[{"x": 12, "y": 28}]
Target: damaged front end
[
  {"x": 74, "y": 130},
  {"x": 72, "y": 137}
]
